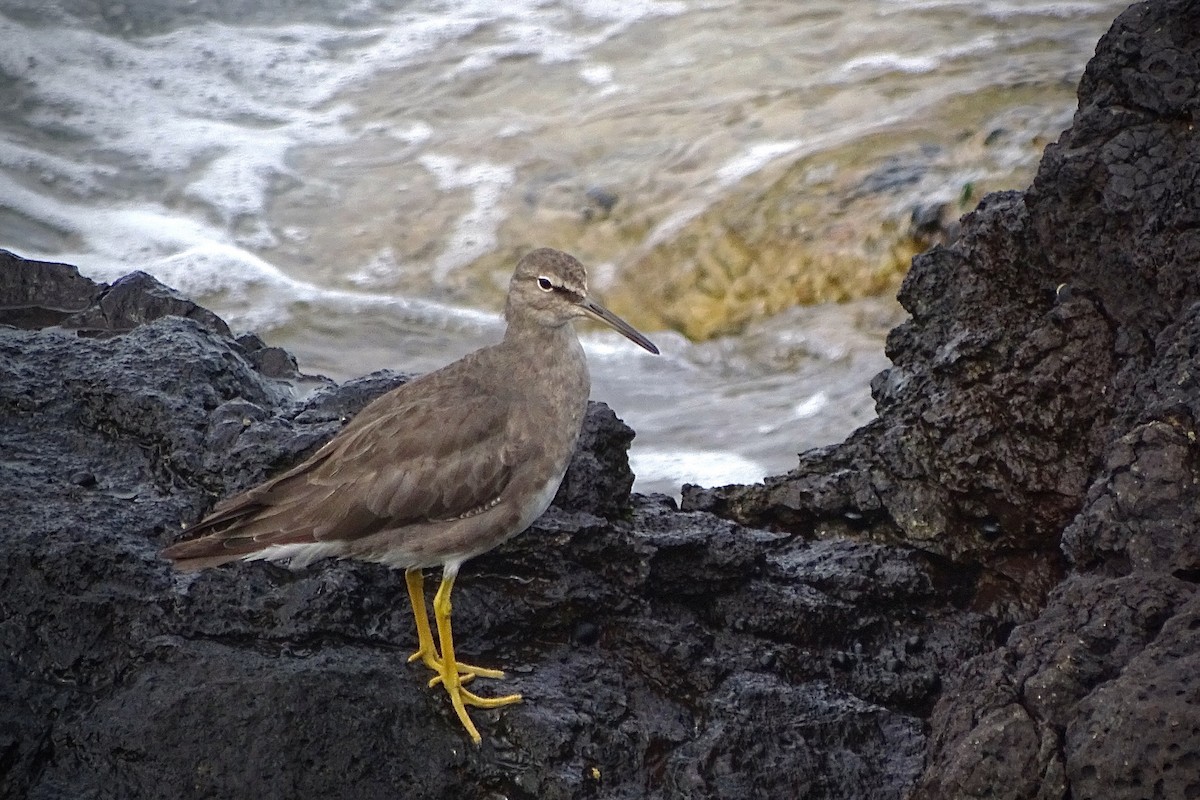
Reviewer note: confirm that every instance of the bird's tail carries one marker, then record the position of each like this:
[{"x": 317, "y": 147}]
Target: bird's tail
[{"x": 198, "y": 554}]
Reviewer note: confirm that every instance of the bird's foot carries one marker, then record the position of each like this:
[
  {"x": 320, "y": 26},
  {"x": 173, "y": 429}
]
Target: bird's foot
[
  {"x": 451, "y": 672},
  {"x": 461, "y": 698},
  {"x": 430, "y": 658}
]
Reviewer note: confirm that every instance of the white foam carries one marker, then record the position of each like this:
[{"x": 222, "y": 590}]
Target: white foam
[
  {"x": 599, "y": 76},
  {"x": 476, "y": 232},
  {"x": 810, "y": 406},
  {"x": 749, "y": 161},
  {"x": 199, "y": 261},
  {"x": 379, "y": 270},
  {"x": 701, "y": 467},
  {"x": 51, "y": 169},
  {"x": 878, "y": 63},
  {"x": 890, "y": 62},
  {"x": 627, "y": 12},
  {"x": 416, "y": 132},
  {"x": 533, "y": 28},
  {"x": 596, "y": 74},
  {"x": 210, "y": 112},
  {"x": 192, "y": 128},
  {"x": 755, "y": 158}
]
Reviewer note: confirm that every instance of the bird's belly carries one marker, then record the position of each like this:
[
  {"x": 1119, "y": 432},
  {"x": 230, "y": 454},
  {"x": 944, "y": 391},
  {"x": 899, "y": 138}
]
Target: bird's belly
[
  {"x": 448, "y": 544},
  {"x": 506, "y": 526},
  {"x": 538, "y": 504}
]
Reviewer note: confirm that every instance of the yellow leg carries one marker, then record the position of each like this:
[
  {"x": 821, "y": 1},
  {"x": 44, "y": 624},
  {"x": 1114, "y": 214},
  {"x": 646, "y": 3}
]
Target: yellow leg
[
  {"x": 426, "y": 651},
  {"x": 451, "y": 678},
  {"x": 416, "y": 595}
]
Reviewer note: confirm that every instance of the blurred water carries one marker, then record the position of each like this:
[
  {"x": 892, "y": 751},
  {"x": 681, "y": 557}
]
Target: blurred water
[{"x": 353, "y": 181}]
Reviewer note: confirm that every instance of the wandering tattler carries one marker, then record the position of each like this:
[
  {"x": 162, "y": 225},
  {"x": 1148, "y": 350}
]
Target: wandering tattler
[{"x": 438, "y": 470}]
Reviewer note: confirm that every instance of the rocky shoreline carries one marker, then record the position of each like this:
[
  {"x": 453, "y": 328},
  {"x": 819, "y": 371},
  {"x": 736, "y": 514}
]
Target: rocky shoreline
[{"x": 989, "y": 591}]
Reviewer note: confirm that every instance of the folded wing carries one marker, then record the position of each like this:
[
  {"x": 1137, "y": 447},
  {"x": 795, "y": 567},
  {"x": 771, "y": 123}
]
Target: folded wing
[{"x": 404, "y": 459}]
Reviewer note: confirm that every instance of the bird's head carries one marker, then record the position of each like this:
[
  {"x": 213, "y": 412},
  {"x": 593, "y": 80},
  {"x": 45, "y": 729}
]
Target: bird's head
[{"x": 549, "y": 288}]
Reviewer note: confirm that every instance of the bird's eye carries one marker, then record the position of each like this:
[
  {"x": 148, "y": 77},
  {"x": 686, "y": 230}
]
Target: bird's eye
[{"x": 545, "y": 285}]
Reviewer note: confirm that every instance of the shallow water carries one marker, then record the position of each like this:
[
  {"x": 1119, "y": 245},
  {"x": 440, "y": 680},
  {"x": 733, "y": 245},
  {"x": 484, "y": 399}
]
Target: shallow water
[{"x": 355, "y": 182}]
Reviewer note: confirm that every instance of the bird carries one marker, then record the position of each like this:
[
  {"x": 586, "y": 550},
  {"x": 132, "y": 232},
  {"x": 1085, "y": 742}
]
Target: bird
[{"x": 436, "y": 471}]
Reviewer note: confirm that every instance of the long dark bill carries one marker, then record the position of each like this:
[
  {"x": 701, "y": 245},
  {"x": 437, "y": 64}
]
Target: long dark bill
[{"x": 601, "y": 313}]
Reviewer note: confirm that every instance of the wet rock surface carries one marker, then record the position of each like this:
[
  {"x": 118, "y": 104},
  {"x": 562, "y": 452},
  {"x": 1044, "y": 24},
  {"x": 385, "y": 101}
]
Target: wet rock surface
[
  {"x": 1039, "y": 427},
  {"x": 989, "y": 591}
]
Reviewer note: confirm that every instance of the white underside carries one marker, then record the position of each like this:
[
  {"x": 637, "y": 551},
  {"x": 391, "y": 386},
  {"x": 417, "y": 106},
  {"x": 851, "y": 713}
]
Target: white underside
[
  {"x": 539, "y": 504},
  {"x": 397, "y": 559},
  {"x": 298, "y": 555},
  {"x": 301, "y": 555}
]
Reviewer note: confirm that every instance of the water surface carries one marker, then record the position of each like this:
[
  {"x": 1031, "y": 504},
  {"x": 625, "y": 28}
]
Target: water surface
[{"x": 356, "y": 182}]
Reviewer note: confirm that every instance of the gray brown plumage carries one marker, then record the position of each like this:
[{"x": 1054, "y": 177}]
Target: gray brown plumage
[{"x": 438, "y": 470}]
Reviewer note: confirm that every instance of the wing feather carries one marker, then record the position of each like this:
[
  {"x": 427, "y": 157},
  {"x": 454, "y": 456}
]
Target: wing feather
[{"x": 432, "y": 449}]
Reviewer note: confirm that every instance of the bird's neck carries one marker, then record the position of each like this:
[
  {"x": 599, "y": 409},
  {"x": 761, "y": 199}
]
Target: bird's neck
[
  {"x": 550, "y": 339},
  {"x": 546, "y": 378},
  {"x": 553, "y": 352}
]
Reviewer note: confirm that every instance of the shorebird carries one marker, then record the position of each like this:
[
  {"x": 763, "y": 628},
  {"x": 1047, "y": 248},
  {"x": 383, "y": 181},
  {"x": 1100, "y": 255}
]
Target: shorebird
[{"x": 438, "y": 470}]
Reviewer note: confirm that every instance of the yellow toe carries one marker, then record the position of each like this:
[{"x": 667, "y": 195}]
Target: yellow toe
[
  {"x": 488, "y": 702},
  {"x": 465, "y": 672}
]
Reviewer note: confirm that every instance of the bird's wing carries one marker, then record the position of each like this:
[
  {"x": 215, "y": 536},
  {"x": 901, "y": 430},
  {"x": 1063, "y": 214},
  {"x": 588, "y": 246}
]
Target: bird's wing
[{"x": 411, "y": 456}]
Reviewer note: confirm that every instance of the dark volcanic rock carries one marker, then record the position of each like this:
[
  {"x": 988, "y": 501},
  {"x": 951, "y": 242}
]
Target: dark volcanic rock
[
  {"x": 56, "y": 294},
  {"x": 1041, "y": 419},
  {"x": 1103, "y": 697},
  {"x": 661, "y": 654},
  {"x": 599, "y": 477},
  {"x": 37, "y": 298}
]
